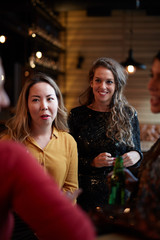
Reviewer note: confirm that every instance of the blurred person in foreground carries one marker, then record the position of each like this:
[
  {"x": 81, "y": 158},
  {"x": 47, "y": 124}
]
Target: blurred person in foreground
[
  {"x": 145, "y": 198},
  {"x": 148, "y": 195},
  {"x": 28, "y": 190}
]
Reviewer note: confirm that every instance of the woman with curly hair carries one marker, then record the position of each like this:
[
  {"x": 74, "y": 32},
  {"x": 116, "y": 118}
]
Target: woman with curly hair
[{"x": 104, "y": 126}]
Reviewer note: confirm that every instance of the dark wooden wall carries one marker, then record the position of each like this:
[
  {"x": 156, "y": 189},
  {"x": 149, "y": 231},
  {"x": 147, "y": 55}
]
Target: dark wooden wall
[{"x": 90, "y": 37}]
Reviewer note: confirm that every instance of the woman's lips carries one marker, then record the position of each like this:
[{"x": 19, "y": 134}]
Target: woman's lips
[
  {"x": 102, "y": 93},
  {"x": 44, "y": 116}
]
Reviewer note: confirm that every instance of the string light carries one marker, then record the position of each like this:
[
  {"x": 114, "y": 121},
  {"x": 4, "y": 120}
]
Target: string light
[
  {"x": 2, "y": 39},
  {"x": 39, "y": 54}
]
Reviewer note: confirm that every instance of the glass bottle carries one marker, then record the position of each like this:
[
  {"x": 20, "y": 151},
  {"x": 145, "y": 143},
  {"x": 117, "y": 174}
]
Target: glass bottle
[{"x": 117, "y": 188}]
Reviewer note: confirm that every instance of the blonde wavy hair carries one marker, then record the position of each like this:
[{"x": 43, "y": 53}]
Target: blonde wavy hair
[
  {"x": 18, "y": 127},
  {"x": 119, "y": 127}
]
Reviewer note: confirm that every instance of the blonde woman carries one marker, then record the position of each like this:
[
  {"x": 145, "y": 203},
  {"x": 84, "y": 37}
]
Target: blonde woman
[
  {"x": 26, "y": 189},
  {"x": 40, "y": 123}
]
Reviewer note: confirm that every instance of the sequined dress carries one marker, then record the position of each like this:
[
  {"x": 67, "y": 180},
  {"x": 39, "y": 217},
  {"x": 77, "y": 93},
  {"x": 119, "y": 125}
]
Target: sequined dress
[{"x": 88, "y": 127}]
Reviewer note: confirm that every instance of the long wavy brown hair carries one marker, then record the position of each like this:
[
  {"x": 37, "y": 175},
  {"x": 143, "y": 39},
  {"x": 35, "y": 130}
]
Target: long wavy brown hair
[
  {"x": 119, "y": 127},
  {"x": 19, "y": 126}
]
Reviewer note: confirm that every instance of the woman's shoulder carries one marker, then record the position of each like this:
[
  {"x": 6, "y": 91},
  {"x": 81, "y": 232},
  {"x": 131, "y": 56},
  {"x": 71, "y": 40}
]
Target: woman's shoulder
[
  {"x": 67, "y": 137},
  {"x": 77, "y": 115},
  {"x": 5, "y": 136},
  {"x": 131, "y": 111},
  {"x": 78, "y": 109}
]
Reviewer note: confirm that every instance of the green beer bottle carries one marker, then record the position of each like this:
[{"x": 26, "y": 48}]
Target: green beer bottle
[{"x": 117, "y": 188}]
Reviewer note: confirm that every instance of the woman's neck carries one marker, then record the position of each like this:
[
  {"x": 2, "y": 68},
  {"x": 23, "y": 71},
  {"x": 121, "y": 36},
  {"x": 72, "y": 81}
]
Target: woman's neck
[
  {"x": 37, "y": 131},
  {"x": 42, "y": 136},
  {"x": 99, "y": 107}
]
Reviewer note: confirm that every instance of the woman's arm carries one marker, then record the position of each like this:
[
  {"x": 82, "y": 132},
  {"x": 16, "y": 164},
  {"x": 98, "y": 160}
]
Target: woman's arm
[
  {"x": 134, "y": 155},
  {"x": 136, "y": 137},
  {"x": 71, "y": 180}
]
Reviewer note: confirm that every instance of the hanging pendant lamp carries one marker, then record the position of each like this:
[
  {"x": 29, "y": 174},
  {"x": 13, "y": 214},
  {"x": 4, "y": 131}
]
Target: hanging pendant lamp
[{"x": 130, "y": 64}]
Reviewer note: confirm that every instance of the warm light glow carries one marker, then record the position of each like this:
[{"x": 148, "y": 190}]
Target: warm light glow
[
  {"x": 32, "y": 64},
  {"x": 33, "y": 35},
  {"x": 2, "y": 77},
  {"x": 2, "y": 39},
  {"x": 38, "y": 54},
  {"x": 130, "y": 69},
  {"x": 126, "y": 210},
  {"x": 26, "y": 73},
  {"x": 98, "y": 208}
]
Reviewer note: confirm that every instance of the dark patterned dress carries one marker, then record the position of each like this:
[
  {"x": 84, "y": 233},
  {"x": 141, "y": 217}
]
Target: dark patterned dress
[{"x": 88, "y": 127}]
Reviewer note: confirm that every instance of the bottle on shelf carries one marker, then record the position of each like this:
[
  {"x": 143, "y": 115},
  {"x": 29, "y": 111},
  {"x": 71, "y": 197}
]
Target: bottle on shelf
[{"x": 117, "y": 187}]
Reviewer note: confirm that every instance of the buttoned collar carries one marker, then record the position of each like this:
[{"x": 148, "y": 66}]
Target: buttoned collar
[{"x": 55, "y": 132}]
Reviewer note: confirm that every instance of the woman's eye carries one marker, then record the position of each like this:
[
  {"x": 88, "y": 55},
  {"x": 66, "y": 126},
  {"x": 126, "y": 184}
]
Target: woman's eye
[
  {"x": 109, "y": 82},
  {"x": 35, "y": 100},
  {"x": 50, "y": 99},
  {"x": 97, "y": 80}
]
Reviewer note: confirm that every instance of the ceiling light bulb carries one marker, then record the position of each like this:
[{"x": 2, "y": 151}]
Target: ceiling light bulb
[
  {"x": 131, "y": 69},
  {"x": 33, "y": 35},
  {"x": 131, "y": 65},
  {"x": 38, "y": 54},
  {"x": 2, "y": 39}
]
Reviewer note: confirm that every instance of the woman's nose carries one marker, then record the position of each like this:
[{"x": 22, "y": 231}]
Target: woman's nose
[
  {"x": 103, "y": 85},
  {"x": 44, "y": 106}
]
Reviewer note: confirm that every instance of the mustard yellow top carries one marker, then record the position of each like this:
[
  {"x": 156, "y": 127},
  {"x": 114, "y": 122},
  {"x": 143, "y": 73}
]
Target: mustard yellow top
[{"x": 59, "y": 158}]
